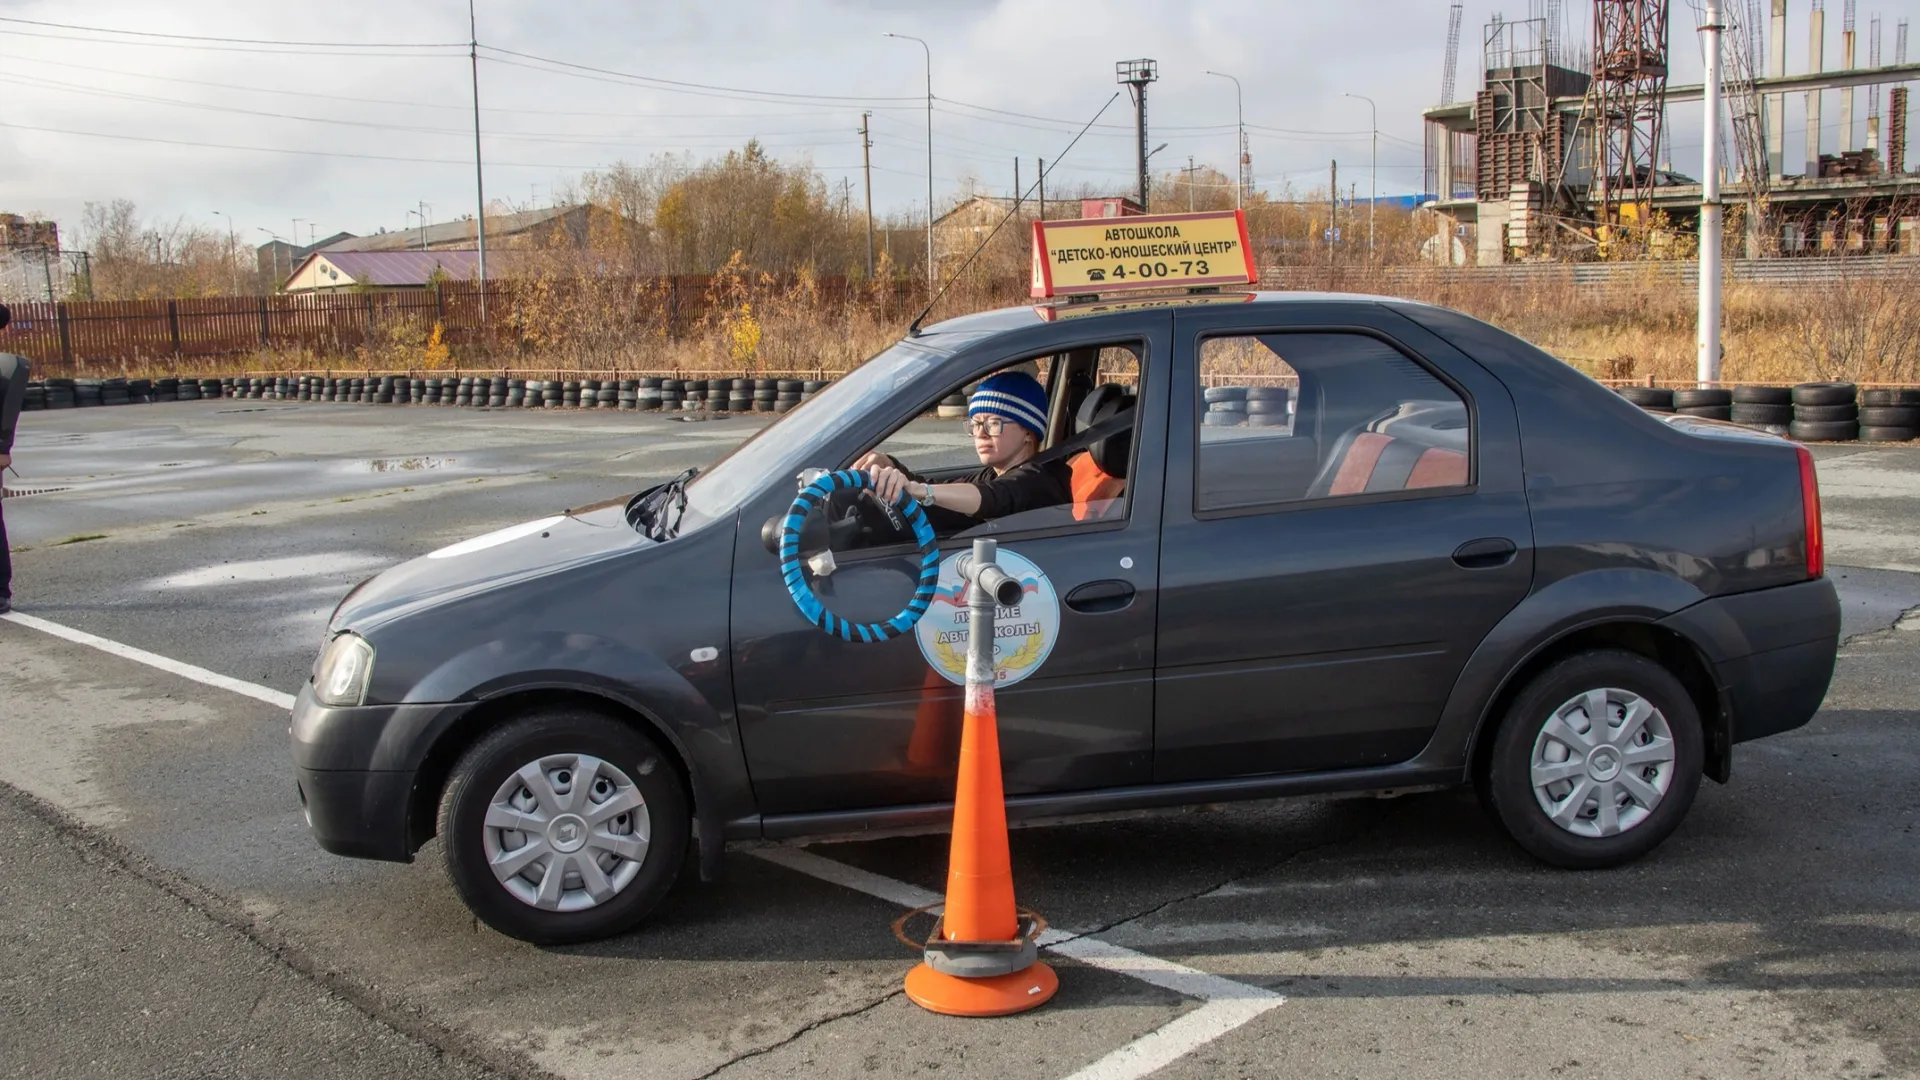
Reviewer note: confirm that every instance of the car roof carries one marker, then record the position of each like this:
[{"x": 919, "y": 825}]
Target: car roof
[{"x": 1024, "y": 316}]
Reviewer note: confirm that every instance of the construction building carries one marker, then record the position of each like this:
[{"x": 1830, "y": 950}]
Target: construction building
[{"x": 1562, "y": 152}]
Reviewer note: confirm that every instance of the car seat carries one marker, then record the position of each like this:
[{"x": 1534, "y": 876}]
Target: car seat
[
  {"x": 1100, "y": 471},
  {"x": 1416, "y": 444}
]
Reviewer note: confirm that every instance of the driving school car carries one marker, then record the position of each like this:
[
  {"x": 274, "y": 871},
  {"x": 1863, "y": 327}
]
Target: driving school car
[{"x": 1316, "y": 544}]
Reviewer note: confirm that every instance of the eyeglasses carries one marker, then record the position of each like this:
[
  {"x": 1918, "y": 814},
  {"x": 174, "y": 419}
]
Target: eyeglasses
[{"x": 990, "y": 426}]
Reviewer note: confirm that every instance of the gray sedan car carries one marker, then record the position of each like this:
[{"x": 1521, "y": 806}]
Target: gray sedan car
[{"x": 1316, "y": 544}]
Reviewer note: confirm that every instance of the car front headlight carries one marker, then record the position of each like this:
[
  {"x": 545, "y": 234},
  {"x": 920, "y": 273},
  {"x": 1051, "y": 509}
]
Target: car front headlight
[{"x": 341, "y": 676}]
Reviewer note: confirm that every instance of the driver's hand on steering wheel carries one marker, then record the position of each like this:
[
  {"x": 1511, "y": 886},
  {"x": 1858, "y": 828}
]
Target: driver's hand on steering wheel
[{"x": 888, "y": 482}]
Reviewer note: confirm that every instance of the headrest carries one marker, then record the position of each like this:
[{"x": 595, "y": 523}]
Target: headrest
[
  {"x": 1440, "y": 424},
  {"x": 1105, "y": 402}
]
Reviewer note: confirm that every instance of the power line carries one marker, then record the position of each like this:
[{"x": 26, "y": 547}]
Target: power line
[
  {"x": 674, "y": 84},
  {"x": 226, "y": 48},
  {"x": 462, "y": 109},
  {"x": 241, "y": 41}
]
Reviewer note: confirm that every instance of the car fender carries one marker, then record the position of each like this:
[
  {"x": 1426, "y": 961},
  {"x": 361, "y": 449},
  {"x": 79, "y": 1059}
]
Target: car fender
[
  {"x": 1591, "y": 598},
  {"x": 695, "y": 728}
]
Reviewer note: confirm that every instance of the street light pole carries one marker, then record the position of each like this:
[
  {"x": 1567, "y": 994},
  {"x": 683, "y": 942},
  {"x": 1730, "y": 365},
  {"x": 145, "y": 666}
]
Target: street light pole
[
  {"x": 1707, "y": 334},
  {"x": 1373, "y": 180},
  {"x": 929, "y": 53},
  {"x": 1240, "y": 121}
]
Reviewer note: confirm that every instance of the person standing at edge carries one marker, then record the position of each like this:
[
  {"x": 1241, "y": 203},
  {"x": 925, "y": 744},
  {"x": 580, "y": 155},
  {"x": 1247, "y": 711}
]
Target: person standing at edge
[{"x": 13, "y": 390}]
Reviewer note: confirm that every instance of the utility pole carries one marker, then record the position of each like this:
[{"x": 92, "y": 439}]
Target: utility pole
[
  {"x": 1016, "y": 185},
  {"x": 1189, "y": 171},
  {"x": 1707, "y": 338},
  {"x": 929, "y": 53},
  {"x": 233, "y": 265},
  {"x": 479, "y": 182},
  {"x": 1136, "y": 74},
  {"x": 1333, "y": 215},
  {"x": 1373, "y": 181},
  {"x": 1246, "y": 160},
  {"x": 1040, "y": 164},
  {"x": 866, "y": 170}
]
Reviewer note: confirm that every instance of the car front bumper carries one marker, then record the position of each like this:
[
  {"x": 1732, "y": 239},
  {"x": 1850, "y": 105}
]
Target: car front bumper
[{"x": 355, "y": 770}]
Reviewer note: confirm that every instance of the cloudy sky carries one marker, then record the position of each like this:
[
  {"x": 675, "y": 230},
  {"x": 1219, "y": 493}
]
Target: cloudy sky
[{"x": 370, "y": 114}]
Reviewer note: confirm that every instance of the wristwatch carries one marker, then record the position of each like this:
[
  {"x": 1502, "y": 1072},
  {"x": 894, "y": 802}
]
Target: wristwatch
[{"x": 925, "y": 498}]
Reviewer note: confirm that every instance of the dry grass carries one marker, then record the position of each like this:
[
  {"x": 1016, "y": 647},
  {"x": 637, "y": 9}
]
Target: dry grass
[{"x": 568, "y": 319}]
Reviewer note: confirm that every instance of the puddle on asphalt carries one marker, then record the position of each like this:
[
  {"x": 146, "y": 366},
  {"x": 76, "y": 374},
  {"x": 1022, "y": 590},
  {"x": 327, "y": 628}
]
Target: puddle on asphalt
[{"x": 400, "y": 464}]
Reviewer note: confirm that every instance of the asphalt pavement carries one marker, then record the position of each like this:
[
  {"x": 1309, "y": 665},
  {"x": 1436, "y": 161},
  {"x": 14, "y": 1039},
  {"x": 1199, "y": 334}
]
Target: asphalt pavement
[{"x": 155, "y": 856}]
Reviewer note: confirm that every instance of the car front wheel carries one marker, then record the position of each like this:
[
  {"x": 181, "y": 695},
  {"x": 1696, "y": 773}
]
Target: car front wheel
[
  {"x": 564, "y": 826},
  {"x": 1597, "y": 760}
]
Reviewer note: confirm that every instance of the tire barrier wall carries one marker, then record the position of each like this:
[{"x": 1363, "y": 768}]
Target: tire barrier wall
[
  {"x": 633, "y": 394},
  {"x": 1806, "y": 412}
]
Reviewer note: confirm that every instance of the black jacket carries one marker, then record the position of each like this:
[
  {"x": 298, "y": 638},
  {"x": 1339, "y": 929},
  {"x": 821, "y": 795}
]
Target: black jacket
[
  {"x": 13, "y": 390},
  {"x": 1024, "y": 487}
]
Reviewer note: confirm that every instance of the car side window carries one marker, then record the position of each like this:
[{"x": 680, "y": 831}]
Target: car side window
[
  {"x": 1287, "y": 418},
  {"x": 1090, "y": 391}
]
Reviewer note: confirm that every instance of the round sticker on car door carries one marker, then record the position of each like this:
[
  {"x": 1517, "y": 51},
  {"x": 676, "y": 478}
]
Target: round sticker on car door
[{"x": 1024, "y": 633}]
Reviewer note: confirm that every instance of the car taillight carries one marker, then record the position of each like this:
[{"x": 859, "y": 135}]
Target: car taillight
[{"x": 1810, "y": 514}]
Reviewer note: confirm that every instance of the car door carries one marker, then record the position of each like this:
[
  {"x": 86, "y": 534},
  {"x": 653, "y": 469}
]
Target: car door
[
  {"x": 829, "y": 725},
  {"x": 1336, "y": 542}
]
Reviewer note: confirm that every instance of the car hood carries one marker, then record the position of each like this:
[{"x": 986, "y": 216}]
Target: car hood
[{"x": 520, "y": 552}]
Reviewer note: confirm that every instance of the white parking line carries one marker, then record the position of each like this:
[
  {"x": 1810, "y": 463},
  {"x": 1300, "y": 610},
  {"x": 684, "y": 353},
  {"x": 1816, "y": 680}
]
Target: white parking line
[
  {"x": 154, "y": 660},
  {"x": 1228, "y": 1004}
]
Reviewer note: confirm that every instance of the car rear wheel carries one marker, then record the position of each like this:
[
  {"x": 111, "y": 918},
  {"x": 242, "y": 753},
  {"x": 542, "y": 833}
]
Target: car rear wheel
[
  {"x": 564, "y": 826},
  {"x": 1597, "y": 760}
]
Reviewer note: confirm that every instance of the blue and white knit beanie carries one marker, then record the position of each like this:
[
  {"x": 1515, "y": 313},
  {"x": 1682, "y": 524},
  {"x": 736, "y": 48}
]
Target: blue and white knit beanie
[{"x": 1014, "y": 395}]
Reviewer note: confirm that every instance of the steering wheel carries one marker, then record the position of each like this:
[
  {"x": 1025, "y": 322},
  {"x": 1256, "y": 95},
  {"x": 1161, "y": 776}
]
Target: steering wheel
[{"x": 791, "y": 570}]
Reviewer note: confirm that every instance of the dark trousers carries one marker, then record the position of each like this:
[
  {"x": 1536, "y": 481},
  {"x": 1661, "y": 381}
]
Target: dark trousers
[{"x": 6, "y": 560}]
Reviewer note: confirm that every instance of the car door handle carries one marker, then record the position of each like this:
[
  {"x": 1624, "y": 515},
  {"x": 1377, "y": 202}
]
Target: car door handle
[
  {"x": 1100, "y": 596},
  {"x": 1486, "y": 553}
]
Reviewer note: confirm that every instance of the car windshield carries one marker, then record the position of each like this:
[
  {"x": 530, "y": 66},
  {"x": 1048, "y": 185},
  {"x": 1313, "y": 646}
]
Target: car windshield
[{"x": 782, "y": 448}]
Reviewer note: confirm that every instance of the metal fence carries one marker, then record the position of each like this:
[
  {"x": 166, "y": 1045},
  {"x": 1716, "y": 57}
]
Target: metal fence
[{"x": 1783, "y": 273}]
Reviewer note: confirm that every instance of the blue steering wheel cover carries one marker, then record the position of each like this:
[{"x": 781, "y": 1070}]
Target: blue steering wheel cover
[{"x": 795, "y": 576}]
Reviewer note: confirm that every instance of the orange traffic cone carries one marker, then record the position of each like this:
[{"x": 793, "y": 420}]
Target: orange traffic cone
[{"x": 981, "y": 960}]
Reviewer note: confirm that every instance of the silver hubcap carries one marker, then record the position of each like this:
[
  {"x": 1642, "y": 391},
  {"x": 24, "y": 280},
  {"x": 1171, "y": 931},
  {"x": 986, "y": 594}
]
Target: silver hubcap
[
  {"x": 1602, "y": 762},
  {"x": 567, "y": 832}
]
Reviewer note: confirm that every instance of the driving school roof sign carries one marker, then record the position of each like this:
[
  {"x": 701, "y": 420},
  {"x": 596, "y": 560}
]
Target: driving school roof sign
[{"x": 1110, "y": 255}]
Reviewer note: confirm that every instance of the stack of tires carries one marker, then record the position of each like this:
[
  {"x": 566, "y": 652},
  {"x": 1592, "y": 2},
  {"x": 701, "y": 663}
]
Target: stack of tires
[
  {"x": 606, "y": 394},
  {"x": 740, "y": 395},
  {"x": 1268, "y": 406},
  {"x": 1769, "y": 408},
  {"x": 1651, "y": 398},
  {"x": 1709, "y": 403},
  {"x": 167, "y": 389},
  {"x": 648, "y": 392},
  {"x": 786, "y": 394},
  {"x": 1226, "y": 406},
  {"x": 810, "y": 387},
  {"x": 62, "y": 393},
  {"x": 951, "y": 407},
  {"x": 141, "y": 391},
  {"x": 35, "y": 397},
  {"x": 672, "y": 393},
  {"x": 114, "y": 392},
  {"x": 765, "y": 394},
  {"x": 1825, "y": 412},
  {"x": 1890, "y": 414}
]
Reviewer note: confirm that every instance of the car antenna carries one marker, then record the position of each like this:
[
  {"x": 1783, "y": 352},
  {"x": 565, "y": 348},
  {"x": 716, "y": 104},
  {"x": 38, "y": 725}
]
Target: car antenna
[{"x": 913, "y": 328}]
